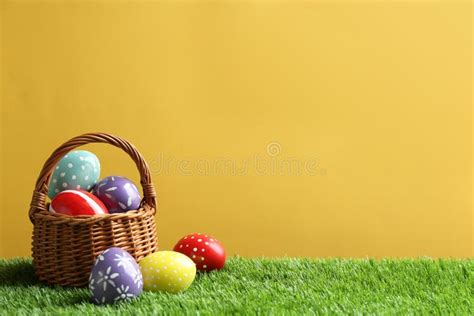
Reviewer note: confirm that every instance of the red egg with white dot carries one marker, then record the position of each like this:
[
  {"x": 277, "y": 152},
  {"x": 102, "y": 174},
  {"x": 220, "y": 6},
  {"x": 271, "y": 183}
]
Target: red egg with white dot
[
  {"x": 77, "y": 202},
  {"x": 206, "y": 251}
]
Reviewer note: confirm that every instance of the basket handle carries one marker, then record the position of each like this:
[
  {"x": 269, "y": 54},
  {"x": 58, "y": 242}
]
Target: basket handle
[{"x": 38, "y": 201}]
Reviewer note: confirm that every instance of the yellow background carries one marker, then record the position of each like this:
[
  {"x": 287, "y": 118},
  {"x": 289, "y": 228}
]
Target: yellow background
[{"x": 379, "y": 94}]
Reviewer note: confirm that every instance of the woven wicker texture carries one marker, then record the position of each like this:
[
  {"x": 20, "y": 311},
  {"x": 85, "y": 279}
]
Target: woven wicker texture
[{"x": 65, "y": 247}]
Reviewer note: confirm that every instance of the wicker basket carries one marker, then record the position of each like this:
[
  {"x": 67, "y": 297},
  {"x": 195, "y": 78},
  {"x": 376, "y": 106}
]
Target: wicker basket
[{"x": 64, "y": 247}]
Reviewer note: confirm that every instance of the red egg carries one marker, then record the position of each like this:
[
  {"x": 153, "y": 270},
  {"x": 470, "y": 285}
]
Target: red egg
[
  {"x": 206, "y": 251},
  {"x": 77, "y": 202}
]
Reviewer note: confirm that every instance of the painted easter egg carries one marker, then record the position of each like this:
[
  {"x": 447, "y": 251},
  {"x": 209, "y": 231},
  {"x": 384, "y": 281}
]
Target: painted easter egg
[
  {"x": 119, "y": 194},
  {"x": 115, "y": 277},
  {"x": 77, "y": 202},
  {"x": 206, "y": 251},
  {"x": 78, "y": 170},
  {"x": 167, "y": 271}
]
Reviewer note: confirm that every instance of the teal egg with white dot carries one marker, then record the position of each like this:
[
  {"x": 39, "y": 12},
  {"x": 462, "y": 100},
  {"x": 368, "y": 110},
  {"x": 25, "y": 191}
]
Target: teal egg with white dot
[{"x": 78, "y": 170}]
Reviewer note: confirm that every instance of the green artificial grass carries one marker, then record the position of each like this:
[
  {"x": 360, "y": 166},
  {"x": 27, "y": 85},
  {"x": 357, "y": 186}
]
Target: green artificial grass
[{"x": 270, "y": 286}]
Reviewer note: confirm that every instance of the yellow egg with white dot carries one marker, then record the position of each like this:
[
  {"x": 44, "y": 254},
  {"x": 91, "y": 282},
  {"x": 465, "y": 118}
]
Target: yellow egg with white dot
[{"x": 167, "y": 271}]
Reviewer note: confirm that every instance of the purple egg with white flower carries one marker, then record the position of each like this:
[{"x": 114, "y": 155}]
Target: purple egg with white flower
[
  {"x": 119, "y": 194},
  {"x": 115, "y": 277}
]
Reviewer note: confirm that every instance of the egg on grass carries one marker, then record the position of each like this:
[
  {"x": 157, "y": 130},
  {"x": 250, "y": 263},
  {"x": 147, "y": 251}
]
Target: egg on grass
[
  {"x": 206, "y": 251},
  {"x": 115, "y": 277},
  {"x": 167, "y": 271}
]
